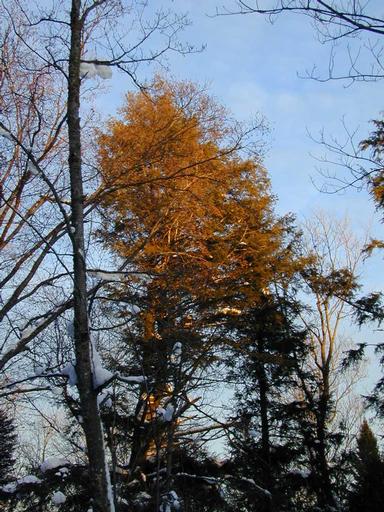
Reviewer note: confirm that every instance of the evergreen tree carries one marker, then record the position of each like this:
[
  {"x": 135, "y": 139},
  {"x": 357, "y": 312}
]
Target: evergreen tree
[
  {"x": 375, "y": 143},
  {"x": 7, "y": 444},
  {"x": 195, "y": 219},
  {"x": 368, "y": 491},
  {"x": 264, "y": 444}
]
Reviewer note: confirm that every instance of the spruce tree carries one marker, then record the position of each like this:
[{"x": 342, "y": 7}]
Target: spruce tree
[
  {"x": 264, "y": 443},
  {"x": 7, "y": 444},
  {"x": 368, "y": 491}
]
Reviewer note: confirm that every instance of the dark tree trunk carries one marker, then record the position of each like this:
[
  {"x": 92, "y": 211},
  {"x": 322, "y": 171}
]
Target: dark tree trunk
[
  {"x": 325, "y": 496},
  {"x": 265, "y": 429},
  {"x": 93, "y": 431}
]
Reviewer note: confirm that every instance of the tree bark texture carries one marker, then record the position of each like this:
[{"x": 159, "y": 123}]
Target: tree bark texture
[{"x": 99, "y": 478}]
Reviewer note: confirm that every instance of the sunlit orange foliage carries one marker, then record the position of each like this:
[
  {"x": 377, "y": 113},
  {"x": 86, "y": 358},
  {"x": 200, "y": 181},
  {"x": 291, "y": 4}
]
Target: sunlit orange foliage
[
  {"x": 183, "y": 194},
  {"x": 186, "y": 203}
]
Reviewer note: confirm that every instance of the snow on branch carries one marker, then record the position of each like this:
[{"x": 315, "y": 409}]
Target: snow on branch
[
  {"x": 105, "y": 275},
  {"x": 103, "y": 377},
  {"x": 251, "y": 482},
  {"x": 33, "y": 169},
  {"x": 70, "y": 372},
  {"x": 93, "y": 70},
  {"x": 176, "y": 354},
  {"x": 58, "y": 498},
  {"x": 203, "y": 429},
  {"x": 131, "y": 379},
  {"x": 166, "y": 414},
  {"x": 170, "y": 501},
  {"x": 53, "y": 463},
  {"x": 30, "y": 481},
  {"x": 12, "y": 487}
]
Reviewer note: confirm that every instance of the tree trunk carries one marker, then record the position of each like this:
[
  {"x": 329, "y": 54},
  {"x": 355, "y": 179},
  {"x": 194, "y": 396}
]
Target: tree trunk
[
  {"x": 265, "y": 429},
  {"x": 325, "y": 496},
  {"x": 98, "y": 473}
]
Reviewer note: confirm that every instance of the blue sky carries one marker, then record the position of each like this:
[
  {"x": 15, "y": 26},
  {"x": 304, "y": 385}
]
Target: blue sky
[{"x": 252, "y": 67}]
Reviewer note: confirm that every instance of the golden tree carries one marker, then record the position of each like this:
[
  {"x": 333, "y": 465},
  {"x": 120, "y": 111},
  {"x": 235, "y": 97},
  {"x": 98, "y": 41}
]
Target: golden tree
[
  {"x": 187, "y": 203},
  {"x": 181, "y": 193}
]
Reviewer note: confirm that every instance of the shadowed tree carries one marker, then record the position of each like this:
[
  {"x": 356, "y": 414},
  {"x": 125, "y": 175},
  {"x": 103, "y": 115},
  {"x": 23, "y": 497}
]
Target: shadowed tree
[
  {"x": 8, "y": 439},
  {"x": 265, "y": 445},
  {"x": 367, "y": 492}
]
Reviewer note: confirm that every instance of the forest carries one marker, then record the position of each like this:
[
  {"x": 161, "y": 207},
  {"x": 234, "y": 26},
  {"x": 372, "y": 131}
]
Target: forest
[{"x": 169, "y": 340}]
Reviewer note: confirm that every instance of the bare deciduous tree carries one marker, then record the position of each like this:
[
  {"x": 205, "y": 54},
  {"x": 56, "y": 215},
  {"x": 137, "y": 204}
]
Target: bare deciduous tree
[
  {"x": 331, "y": 283},
  {"x": 45, "y": 193},
  {"x": 359, "y": 24}
]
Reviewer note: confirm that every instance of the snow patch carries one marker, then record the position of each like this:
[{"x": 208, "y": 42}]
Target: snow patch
[
  {"x": 132, "y": 308},
  {"x": 261, "y": 489},
  {"x": 29, "y": 479},
  {"x": 70, "y": 372},
  {"x": 106, "y": 276},
  {"x": 103, "y": 71},
  {"x": 304, "y": 473},
  {"x": 25, "y": 480},
  {"x": 30, "y": 329},
  {"x": 70, "y": 330},
  {"x": 170, "y": 502},
  {"x": 87, "y": 70},
  {"x": 58, "y": 498},
  {"x": 167, "y": 413},
  {"x": 105, "y": 399},
  {"x": 143, "y": 496},
  {"x": 39, "y": 370},
  {"x": 100, "y": 374},
  {"x": 33, "y": 169},
  {"x": 109, "y": 484},
  {"x": 53, "y": 463},
  {"x": 90, "y": 70},
  {"x": 132, "y": 379},
  {"x": 26, "y": 332},
  {"x": 9, "y": 488},
  {"x": 176, "y": 353}
]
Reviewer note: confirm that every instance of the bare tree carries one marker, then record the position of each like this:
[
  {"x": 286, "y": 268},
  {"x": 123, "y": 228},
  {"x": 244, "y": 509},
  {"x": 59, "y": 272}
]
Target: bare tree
[
  {"x": 357, "y": 28},
  {"x": 45, "y": 175},
  {"x": 330, "y": 284},
  {"x": 351, "y": 20}
]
